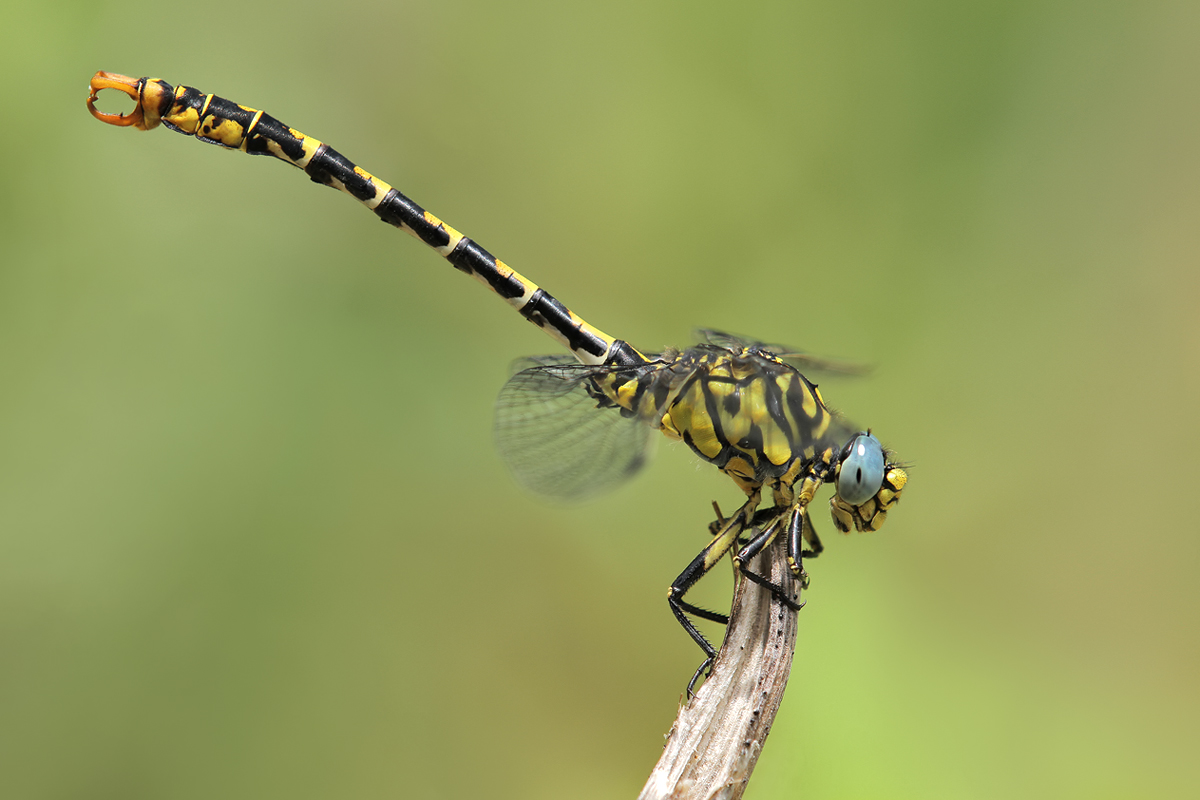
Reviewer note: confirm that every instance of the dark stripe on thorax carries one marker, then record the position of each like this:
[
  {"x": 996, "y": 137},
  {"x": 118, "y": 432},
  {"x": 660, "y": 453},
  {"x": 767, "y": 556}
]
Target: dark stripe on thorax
[
  {"x": 774, "y": 400},
  {"x": 806, "y": 422},
  {"x": 713, "y": 408}
]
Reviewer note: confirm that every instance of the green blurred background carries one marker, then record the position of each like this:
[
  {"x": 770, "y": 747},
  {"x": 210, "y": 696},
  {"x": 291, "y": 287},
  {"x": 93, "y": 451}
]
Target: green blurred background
[{"x": 255, "y": 540}]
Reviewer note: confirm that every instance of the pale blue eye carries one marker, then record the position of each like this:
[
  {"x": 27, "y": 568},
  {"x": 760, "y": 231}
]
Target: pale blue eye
[{"x": 861, "y": 474}]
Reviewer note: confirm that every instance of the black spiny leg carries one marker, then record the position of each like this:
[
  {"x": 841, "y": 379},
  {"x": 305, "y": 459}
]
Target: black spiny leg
[
  {"x": 722, "y": 541},
  {"x": 760, "y": 518},
  {"x": 800, "y": 530},
  {"x": 753, "y": 548}
]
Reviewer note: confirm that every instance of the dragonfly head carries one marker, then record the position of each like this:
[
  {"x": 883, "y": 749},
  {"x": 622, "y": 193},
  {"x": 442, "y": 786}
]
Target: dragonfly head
[{"x": 868, "y": 485}]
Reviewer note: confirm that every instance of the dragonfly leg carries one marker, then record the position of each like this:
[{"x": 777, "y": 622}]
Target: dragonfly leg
[
  {"x": 755, "y": 546},
  {"x": 716, "y": 549},
  {"x": 797, "y": 536}
]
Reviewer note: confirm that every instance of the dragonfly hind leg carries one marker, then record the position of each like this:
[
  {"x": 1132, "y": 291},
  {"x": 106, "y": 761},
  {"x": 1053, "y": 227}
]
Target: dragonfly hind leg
[{"x": 723, "y": 540}]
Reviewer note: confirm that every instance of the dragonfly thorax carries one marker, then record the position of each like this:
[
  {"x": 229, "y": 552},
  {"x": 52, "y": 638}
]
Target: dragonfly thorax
[{"x": 749, "y": 413}]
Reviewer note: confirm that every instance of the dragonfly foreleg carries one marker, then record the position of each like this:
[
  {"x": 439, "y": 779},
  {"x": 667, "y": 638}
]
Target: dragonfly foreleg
[{"x": 756, "y": 545}]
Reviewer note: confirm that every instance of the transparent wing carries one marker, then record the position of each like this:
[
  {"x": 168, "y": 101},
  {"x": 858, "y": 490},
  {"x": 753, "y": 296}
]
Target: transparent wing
[
  {"x": 839, "y": 432},
  {"x": 558, "y": 439},
  {"x": 806, "y": 363},
  {"x": 727, "y": 340}
]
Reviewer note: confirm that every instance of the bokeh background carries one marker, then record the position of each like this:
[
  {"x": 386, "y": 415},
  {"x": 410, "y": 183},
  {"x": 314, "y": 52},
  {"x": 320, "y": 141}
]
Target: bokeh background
[{"x": 255, "y": 541}]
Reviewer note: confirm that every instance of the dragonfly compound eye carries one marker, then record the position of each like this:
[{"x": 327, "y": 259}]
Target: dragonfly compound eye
[{"x": 861, "y": 472}]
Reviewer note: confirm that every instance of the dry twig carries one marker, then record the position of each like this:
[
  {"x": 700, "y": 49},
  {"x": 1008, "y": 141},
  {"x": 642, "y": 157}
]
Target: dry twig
[{"x": 716, "y": 739}]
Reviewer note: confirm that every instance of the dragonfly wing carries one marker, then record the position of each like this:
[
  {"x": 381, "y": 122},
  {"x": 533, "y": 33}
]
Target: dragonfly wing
[
  {"x": 726, "y": 340},
  {"x": 806, "y": 363},
  {"x": 558, "y": 439}
]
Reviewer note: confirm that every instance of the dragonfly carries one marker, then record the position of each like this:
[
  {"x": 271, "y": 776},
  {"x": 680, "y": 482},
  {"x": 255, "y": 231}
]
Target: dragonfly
[{"x": 576, "y": 424}]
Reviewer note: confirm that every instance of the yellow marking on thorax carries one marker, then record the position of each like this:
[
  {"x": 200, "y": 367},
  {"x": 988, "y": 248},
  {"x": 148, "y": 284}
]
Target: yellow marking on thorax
[
  {"x": 821, "y": 427},
  {"x": 808, "y": 401},
  {"x": 624, "y": 394},
  {"x": 777, "y": 442},
  {"x": 740, "y": 467},
  {"x": 688, "y": 414},
  {"x": 667, "y": 426},
  {"x": 754, "y": 405},
  {"x": 736, "y": 426},
  {"x": 776, "y": 446}
]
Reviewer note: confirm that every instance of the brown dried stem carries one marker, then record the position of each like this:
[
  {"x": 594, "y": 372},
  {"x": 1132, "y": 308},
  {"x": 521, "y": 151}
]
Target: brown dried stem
[{"x": 716, "y": 739}]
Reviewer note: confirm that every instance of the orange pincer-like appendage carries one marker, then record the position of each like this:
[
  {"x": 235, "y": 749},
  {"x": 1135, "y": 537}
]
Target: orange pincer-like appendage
[{"x": 122, "y": 83}]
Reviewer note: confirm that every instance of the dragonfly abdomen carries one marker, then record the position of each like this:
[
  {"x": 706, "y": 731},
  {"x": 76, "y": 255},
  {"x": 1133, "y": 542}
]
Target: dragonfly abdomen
[{"x": 219, "y": 121}]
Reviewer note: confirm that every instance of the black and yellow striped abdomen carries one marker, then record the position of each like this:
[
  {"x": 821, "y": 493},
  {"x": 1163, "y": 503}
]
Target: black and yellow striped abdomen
[{"x": 219, "y": 121}]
